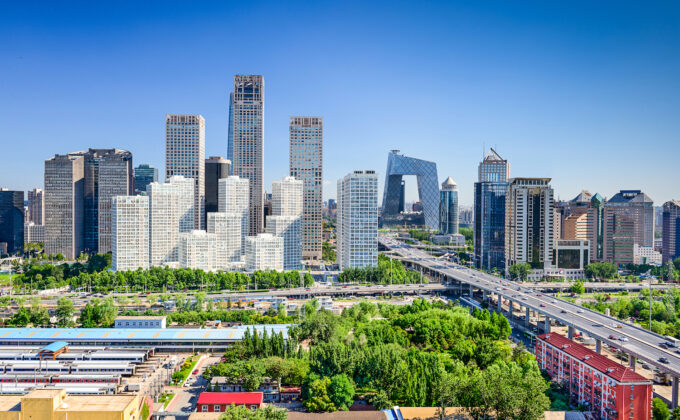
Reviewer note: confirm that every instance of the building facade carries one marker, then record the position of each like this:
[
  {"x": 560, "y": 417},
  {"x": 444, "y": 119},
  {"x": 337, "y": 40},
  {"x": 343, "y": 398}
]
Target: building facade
[
  {"x": 448, "y": 208},
  {"x": 171, "y": 212},
  {"x": 529, "y": 213},
  {"x": 64, "y": 205},
  {"x": 216, "y": 168},
  {"x": 646, "y": 255},
  {"x": 36, "y": 206},
  {"x": 144, "y": 175},
  {"x": 234, "y": 197},
  {"x": 306, "y": 164},
  {"x": 197, "y": 250},
  {"x": 130, "y": 245},
  {"x": 671, "y": 231},
  {"x": 287, "y": 219},
  {"x": 34, "y": 233},
  {"x": 357, "y": 220},
  {"x": 12, "y": 220},
  {"x": 248, "y": 143},
  {"x": 227, "y": 228},
  {"x": 613, "y": 391},
  {"x": 264, "y": 252},
  {"x": 628, "y": 220},
  {"x": 582, "y": 218},
  {"x": 489, "y": 212},
  {"x": 185, "y": 156}
]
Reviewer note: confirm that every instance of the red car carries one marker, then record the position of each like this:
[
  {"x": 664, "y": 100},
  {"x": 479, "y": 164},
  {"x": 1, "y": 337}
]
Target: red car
[{"x": 196, "y": 372}]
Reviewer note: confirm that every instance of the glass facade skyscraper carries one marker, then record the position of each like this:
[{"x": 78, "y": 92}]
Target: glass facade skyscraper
[
  {"x": 12, "y": 219},
  {"x": 448, "y": 208},
  {"x": 145, "y": 174},
  {"x": 489, "y": 212}
]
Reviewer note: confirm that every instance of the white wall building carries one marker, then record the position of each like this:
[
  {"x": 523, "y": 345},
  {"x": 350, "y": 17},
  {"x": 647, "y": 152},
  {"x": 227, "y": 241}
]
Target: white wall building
[
  {"x": 357, "y": 220},
  {"x": 287, "y": 198},
  {"x": 234, "y": 197},
  {"x": 646, "y": 255},
  {"x": 290, "y": 229},
  {"x": 171, "y": 211},
  {"x": 227, "y": 229},
  {"x": 34, "y": 233},
  {"x": 130, "y": 232},
  {"x": 264, "y": 252},
  {"x": 197, "y": 250}
]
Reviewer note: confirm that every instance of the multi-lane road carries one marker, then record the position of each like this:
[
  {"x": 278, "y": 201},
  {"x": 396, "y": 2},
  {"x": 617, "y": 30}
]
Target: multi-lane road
[{"x": 631, "y": 339}]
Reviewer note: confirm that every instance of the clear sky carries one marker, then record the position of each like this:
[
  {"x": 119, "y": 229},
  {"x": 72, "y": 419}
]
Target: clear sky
[{"x": 585, "y": 92}]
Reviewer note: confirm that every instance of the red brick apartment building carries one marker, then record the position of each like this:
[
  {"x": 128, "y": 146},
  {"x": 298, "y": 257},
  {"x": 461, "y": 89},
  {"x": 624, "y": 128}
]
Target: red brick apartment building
[{"x": 606, "y": 387}]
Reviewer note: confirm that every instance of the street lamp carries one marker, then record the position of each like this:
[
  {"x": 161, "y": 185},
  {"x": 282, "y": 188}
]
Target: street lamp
[{"x": 650, "y": 303}]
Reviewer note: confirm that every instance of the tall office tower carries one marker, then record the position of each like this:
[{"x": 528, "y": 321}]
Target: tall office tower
[
  {"x": 286, "y": 219},
  {"x": 171, "y": 212},
  {"x": 216, "y": 168},
  {"x": 130, "y": 234},
  {"x": 234, "y": 197},
  {"x": 12, "y": 219},
  {"x": 248, "y": 142},
  {"x": 64, "y": 205},
  {"x": 145, "y": 174},
  {"x": 230, "y": 132},
  {"x": 36, "y": 206},
  {"x": 306, "y": 164},
  {"x": 264, "y": 252},
  {"x": 357, "y": 222},
  {"x": 671, "y": 231},
  {"x": 34, "y": 233},
  {"x": 448, "y": 208},
  {"x": 227, "y": 230},
  {"x": 529, "y": 213},
  {"x": 185, "y": 156},
  {"x": 197, "y": 250},
  {"x": 108, "y": 173},
  {"x": 628, "y": 220},
  {"x": 581, "y": 219},
  {"x": 489, "y": 212}
]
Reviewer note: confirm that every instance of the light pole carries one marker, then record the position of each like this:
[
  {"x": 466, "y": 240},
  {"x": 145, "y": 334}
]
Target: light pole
[
  {"x": 650, "y": 303},
  {"x": 390, "y": 271}
]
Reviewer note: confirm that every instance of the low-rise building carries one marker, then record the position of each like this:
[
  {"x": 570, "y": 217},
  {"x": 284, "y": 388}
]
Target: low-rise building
[
  {"x": 264, "y": 252},
  {"x": 611, "y": 390},
  {"x": 34, "y": 233},
  {"x": 215, "y": 402},
  {"x": 140, "y": 322},
  {"x": 646, "y": 255}
]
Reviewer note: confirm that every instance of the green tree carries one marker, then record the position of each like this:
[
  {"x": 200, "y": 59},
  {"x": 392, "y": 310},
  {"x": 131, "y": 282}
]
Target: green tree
[
  {"x": 308, "y": 280},
  {"x": 341, "y": 392},
  {"x": 660, "y": 410},
  {"x": 65, "y": 311},
  {"x": 241, "y": 412},
  {"x": 578, "y": 287},
  {"x": 520, "y": 271},
  {"x": 318, "y": 399}
]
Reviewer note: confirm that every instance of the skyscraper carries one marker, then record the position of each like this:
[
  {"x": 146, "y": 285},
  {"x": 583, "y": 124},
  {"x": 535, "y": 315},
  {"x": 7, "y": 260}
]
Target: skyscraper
[
  {"x": 197, "y": 250},
  {"x": 230, "y": 132},
  {"x": 489, "y": 212},
  {"x": 171, "y": 212},
  {"x": 248, "y": 142},
  {"x": 286, "y": 219},
  {"x": 234, "y": 197},
  {"x": 130, "y": 232},
  {"x": 216, "y": 168},
  {"x": 529, "y": 213},
  {"x": 264, "y": 252},
  {"x": 64, "y": 205},
  {"x": 36, "y": 206},
  {"x": 306, "y": 164},
  {"x": 628, "y": 220},
  {"x": 227, "y": 230},
  {"x": 448, "y": 208},
  {"x": 671, "y": 231},
  {"x": 12, "y": 219},
  {"x": 185, "y": 156},
  {"x": 357, "y": 221},
  {"x": 145, "y": 174},
  {"x": 581, "y": 219}
]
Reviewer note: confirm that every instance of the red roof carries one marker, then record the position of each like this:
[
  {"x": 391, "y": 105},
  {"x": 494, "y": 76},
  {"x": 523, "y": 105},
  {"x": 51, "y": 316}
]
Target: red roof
[
  {"x": 597, "y": 361},
  {"x": 230, "y": 398}
]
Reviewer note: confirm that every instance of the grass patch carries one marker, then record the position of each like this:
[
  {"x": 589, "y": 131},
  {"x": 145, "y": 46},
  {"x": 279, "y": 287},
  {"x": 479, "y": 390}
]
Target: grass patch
[
  {"x": 181, "y": 375},
  {"x": 166, "y": 398}
]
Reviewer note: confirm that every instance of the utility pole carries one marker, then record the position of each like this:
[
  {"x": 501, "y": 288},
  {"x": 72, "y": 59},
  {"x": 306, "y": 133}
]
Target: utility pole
[
  {"x": 650, "y": 303},
  {"x": 390, "y": 271}
]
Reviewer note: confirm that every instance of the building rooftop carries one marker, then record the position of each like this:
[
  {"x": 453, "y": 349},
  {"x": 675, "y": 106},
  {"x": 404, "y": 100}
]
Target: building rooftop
[
  {"x": 492, "y": 156},
  {"x": 54, "y": 347},
  {"x": 597, "y": 361},
  {"x": 230, "y": 398},
  {"x": 142, "y": 317},
  {"x": 630, "y": 196}
]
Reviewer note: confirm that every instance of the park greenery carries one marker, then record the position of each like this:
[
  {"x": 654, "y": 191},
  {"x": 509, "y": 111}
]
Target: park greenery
[
  {"x": 665, "y": 309},
  {"x": 423, "y": 354},
  {"x": 241, "y": 412},
  {"x": 328, "y": 252},
  {"x": 381, "y": 273}
]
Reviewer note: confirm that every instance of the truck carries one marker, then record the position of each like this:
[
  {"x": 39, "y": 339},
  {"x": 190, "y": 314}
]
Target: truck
[{"x": 661, "y": 378}]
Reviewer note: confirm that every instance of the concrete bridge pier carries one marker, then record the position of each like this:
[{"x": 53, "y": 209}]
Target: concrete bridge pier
[
  {"x": 571, "y": 332},
  {"x": 471, "y": 290},
  {"x": 598, "y": 346},
  {"x": 500, "y": 304},
  {"x": 527, "y": 317},
  {"x": 546, "y": 325},
  {"x": 631, "y": 361},
  {"x": 674, "y": 392}
]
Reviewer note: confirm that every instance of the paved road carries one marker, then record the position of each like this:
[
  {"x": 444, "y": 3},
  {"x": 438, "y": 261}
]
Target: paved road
[
  {"x": 640, "y": 343},
  {"x": 186, "y": 398}
]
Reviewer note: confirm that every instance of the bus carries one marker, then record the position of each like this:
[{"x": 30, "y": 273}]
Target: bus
[{"x": 672, "y": 341}]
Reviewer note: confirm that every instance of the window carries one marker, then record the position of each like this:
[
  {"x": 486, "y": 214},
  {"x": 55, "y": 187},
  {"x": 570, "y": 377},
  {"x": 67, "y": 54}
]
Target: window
[
  {"x": 253, "y": 407},
  {"x": 204, "y": 408},
  {"x": 217, "y": 408}
]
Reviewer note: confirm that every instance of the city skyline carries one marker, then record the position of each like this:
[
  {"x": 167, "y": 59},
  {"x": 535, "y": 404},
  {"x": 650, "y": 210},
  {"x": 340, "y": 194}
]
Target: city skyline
[{"x": 559, "y": 105}]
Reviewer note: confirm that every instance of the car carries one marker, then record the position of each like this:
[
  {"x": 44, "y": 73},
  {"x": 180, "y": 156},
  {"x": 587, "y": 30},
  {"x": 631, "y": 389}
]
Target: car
[
  {"x": 553, "y": 301},
  {"x": 618, "y": 325},
  {"x": 524, "y": 298},
  {"x": 612, "y": 337},
  {"x": 580, "y": 311},
  {"x": 623, "y": 339},
  {"x": 564, "y": 311},
  {"x": 542, "y": 305},
  {"x": 539, "y": 294},
  {"x": 663, "y": 360},
  {"x": 195, "y": 371},
  {"x": 677, "y": 351},
  {"x": 646, "y": 366},
  {"x": 663, "y": 345},
  {"x": 498, "y": 288}
]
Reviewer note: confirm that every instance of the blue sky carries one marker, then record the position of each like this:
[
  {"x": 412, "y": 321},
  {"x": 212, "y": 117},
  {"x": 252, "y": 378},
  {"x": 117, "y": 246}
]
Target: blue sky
[{"x": 585, "y": 92}]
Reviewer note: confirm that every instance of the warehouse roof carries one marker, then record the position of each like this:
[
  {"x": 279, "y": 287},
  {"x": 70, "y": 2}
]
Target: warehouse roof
[
  {"x": 137, "y": 334},
  {"x": 54, "y": 347}
]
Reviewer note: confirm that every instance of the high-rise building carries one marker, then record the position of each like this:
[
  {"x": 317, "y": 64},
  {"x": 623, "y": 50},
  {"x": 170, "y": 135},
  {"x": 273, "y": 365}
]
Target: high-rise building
[
  {"x": 230, "y": 132},
  {"x": 12, "y": 219},
  {"x": 264, "y": 252},
  {"x": 108, "y": 173},
  {"x": 628, "y": 220},
  {"x": 130, "y": 234},
  {"x": 145, "y": 174},
  {"x": 357, "y": 222},
  {"x": 448, "y": 207},
  {"x": 670, "y": 248},
  {"x": 234, "y": 197},
  {"x": 286, "y": 219},
  {"x": 529, "y": 213},
  {"x": 36, "y": 206},
  {"x": 197, "y": 250},
  {"x": 227, "y": 230},
  {"x": 171, "y": 211},
  {"x": 185, "y": 156},
  {"x": 34, "y": 233},
  {"x": 581, "y": 219},
  {"x": 216, "y": 168},
  {"x": 306, "y": 164},
  {"x": 64, "y": 205},
  {"x": 489, "y": 212},
  {"x": 248, "y": 142}
]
